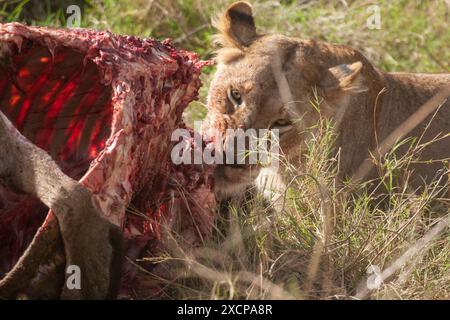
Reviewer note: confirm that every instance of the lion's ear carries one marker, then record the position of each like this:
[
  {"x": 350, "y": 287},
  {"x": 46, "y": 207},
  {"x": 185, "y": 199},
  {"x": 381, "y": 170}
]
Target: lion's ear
[
  {"x": 237, "y": 26},
  {"x": 343, "y": 77}
]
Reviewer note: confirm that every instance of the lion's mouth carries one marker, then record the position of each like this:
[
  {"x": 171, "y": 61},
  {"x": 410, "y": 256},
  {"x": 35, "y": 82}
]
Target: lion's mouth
[{"x": 233, "y": 179}]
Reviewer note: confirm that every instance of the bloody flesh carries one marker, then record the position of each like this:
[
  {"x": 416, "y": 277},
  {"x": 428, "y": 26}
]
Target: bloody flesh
[{"x": 104, "y": 107}]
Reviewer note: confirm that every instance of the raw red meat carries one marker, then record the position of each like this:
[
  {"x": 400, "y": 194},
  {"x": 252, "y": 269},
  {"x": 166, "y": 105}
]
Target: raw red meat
[{"x": 104, "y": 107}]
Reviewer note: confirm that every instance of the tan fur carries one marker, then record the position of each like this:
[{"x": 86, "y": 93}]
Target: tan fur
[{"x": 348, "y": 83}]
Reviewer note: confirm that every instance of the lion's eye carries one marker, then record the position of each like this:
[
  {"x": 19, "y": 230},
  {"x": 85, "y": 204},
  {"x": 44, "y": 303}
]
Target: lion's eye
[
  {"x": 282, "y": 125},
  {"x": 234, "y": 96}
]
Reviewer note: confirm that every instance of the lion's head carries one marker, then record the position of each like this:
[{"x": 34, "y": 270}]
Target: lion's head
[{"x": 268, "y": 82}]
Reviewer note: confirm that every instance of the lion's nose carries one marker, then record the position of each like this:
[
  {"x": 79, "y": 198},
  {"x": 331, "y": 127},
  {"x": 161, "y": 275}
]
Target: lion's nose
[{"x": 236, "y": 151}]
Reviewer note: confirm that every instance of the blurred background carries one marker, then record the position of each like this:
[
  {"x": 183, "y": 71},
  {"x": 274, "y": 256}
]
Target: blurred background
[{"x": 413, "y": 35}]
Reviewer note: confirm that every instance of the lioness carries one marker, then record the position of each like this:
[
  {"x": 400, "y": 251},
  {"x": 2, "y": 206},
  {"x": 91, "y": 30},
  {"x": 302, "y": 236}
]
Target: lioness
[{"x": 266, "y": 81}]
